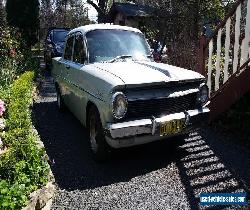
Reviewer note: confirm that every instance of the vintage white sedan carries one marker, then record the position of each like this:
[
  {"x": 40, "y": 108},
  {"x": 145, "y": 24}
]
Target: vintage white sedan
[{"x": 108, "y": 80}]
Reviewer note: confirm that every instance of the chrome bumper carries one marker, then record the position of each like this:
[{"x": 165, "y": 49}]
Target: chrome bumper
[{"x": 125, "y": 134}]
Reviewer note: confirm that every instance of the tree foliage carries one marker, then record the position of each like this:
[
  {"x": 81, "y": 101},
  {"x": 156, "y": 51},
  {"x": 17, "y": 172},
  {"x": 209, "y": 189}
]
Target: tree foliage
[
  {"x": 187, "y": 16},
  {"x": 179, "y": 24},
  {"x": 24, "y": 15},
  {"x": 62, "y": 13},
  {"x": 177, "y": 16},
  {"x": 73, "y": 13}
]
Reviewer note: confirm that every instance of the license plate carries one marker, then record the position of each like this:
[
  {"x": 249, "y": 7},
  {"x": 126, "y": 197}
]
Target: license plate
[{"x": 171, "y": 127}]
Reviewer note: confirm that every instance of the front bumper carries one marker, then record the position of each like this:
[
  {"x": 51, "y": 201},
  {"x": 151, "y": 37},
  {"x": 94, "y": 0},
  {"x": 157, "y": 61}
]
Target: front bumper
[{"x": 142, "y": 131}]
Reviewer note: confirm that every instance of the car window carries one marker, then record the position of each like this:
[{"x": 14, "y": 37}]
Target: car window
[
  {"x": 69, "y": 48},
  {"x": 79, "y": 49},
  {"x": 59, "y": 36},
  {"x": 105, "y": 45}
]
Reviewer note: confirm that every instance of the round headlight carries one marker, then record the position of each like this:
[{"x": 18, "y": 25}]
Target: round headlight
[
  {"x": 203, "y": 94},
  {"x": 120, "y": 104}
]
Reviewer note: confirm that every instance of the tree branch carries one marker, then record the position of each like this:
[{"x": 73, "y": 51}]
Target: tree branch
[{"x": 98, "y": 9}]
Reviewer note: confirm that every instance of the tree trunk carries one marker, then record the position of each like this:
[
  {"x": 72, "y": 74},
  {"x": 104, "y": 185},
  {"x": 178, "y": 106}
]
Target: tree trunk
[
  {"x": 100, "y": 8},
  {"x": 102, "y": 16}
]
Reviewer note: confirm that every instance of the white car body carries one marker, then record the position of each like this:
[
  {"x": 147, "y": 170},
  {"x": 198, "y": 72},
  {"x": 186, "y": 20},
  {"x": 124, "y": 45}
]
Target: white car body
[{"x": 96, "y": 83}]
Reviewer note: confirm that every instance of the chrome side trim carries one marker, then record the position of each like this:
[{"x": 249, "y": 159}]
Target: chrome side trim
[{"x": 77, "y": 86}]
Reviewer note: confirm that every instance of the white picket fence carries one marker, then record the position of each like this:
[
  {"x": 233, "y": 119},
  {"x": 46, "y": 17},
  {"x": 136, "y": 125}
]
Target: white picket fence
[{"x": 228, "y": 57}]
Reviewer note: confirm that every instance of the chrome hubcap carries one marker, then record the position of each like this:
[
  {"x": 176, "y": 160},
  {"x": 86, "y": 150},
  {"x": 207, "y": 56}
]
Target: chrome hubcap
[{"x": 92, "y": 134}]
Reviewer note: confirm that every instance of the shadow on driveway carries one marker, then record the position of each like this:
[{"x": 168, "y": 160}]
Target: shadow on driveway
[
  {"x": 66, "y": 144},
  {"x": 203, "y": 165}
]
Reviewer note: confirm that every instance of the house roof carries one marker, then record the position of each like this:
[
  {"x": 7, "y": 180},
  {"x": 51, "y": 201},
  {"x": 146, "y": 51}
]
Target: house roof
[{"x": 131, "y": 10}]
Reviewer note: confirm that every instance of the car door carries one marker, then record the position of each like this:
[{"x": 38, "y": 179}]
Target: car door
[
  {"x": 78, "y": 96},
  {"x": 66, "y": 61}
]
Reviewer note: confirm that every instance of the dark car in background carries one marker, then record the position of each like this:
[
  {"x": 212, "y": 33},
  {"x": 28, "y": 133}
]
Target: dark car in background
[{"x": 54, "y": 44}]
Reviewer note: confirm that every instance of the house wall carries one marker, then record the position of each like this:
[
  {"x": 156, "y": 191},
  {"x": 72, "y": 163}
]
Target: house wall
[{"x": 120, "y": 19}]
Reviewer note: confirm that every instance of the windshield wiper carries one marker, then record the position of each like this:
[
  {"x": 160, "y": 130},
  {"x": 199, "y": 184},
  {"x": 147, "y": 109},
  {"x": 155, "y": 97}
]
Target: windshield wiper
[{"x": 120, "y": 57}]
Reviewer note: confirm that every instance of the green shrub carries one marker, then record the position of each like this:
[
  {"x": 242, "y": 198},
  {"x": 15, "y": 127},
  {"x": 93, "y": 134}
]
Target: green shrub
[
  {"x": 14, "y": 58},
  {"x": 23, "y": 167},
  {"x": 10, "y": 55}
]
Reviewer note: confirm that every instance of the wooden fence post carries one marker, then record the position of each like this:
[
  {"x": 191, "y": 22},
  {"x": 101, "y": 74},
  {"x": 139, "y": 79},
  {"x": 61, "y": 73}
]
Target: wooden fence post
[{"x": 201, "y": 56}]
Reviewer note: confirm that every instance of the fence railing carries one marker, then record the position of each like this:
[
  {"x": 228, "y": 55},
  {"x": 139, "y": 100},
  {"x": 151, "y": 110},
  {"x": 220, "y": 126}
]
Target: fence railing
[{"x": 227, "y": 52}]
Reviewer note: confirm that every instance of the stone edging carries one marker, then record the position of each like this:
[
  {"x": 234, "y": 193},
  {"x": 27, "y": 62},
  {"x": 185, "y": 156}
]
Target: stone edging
[{"x": 41, "y": 199}]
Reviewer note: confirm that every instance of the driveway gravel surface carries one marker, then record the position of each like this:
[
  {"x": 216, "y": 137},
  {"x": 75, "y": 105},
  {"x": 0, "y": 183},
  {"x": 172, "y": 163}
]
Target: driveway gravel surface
[{"x": 162, "y": 175}]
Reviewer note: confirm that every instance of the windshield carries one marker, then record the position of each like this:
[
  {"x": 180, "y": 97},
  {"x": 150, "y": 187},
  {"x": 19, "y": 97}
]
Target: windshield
[
  {"x": 59, "y": 36},
  {"x": 107, "y": 45}
]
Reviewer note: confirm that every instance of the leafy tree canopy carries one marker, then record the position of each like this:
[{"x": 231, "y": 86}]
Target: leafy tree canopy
[{"x": 24, "y": 15}]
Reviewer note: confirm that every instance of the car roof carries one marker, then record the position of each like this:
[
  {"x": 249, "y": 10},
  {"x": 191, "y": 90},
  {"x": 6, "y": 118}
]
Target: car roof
[
  {"x": 91, "y": 27},
  {"x": 58, "y": 29}
]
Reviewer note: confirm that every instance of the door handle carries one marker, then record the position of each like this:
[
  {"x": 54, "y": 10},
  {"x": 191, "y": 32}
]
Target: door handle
[{"x": 67, "y": 67}]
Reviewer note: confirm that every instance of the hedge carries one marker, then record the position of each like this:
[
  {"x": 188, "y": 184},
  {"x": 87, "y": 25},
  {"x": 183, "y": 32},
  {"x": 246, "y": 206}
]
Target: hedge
[{"x": 23, "y": 168}]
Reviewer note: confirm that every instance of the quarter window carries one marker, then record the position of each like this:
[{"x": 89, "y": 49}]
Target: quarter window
[
  {"x": 79, "y": 49},
  {"x": 69, "y": 48}
]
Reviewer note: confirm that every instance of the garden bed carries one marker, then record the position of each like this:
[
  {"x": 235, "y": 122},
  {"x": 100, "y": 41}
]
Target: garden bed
[{"x": 23, "y": 163}]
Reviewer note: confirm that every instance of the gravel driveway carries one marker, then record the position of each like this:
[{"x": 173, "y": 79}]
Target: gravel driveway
[{"x": 161, "y": 175}]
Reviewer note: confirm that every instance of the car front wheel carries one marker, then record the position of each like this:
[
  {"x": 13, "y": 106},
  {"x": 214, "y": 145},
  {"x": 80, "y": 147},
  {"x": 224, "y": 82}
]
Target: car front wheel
[{"x": 99, "y": 147}]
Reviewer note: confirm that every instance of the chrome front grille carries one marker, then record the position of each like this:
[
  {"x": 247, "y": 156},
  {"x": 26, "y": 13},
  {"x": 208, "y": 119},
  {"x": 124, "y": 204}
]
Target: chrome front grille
[{"x": 162, "y": 106}]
